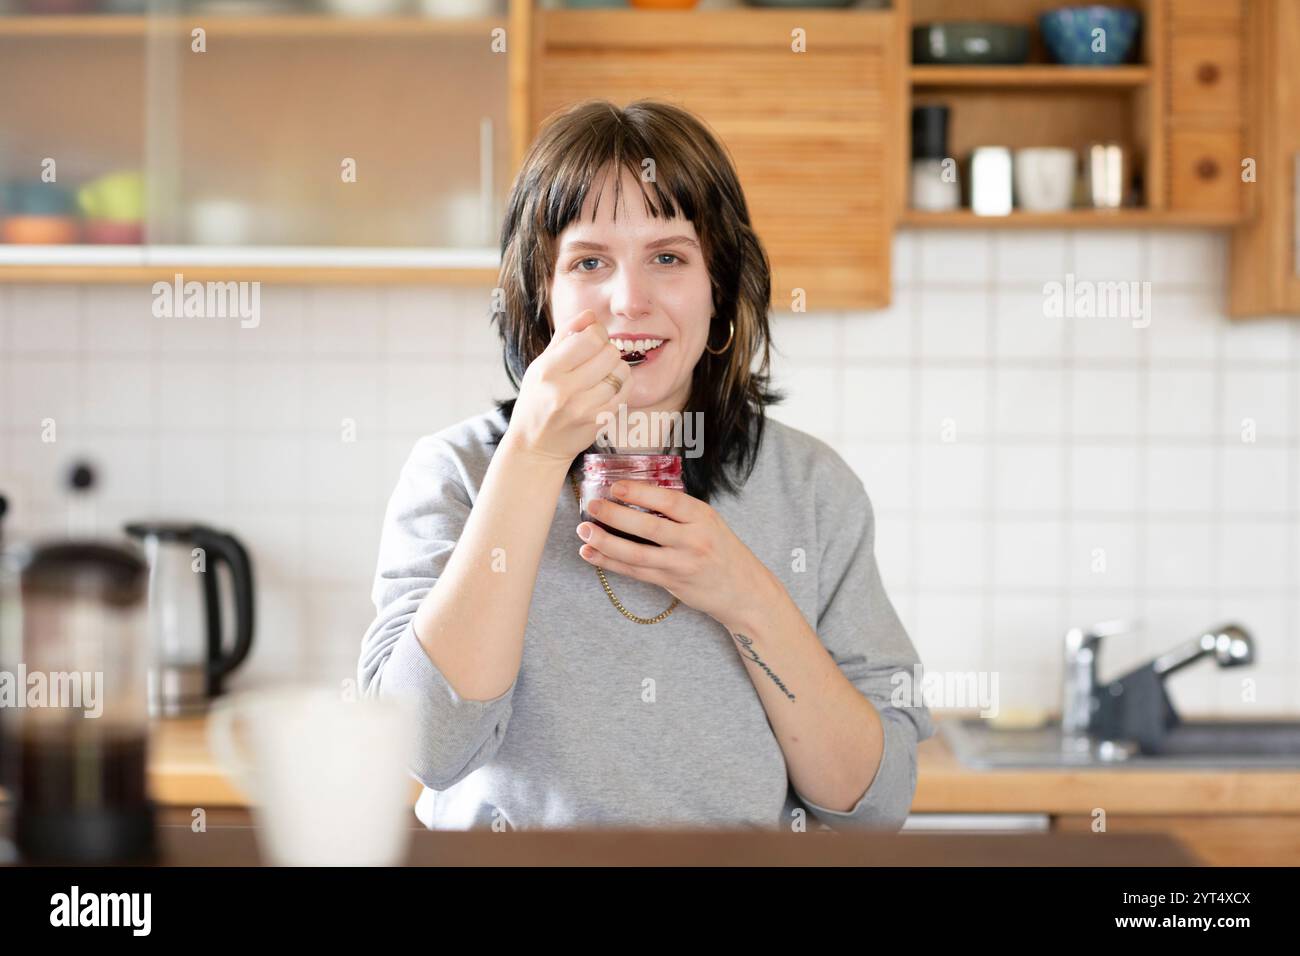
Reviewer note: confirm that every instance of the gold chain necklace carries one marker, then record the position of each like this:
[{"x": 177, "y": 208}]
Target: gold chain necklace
[{"x": 604, "y": 581}]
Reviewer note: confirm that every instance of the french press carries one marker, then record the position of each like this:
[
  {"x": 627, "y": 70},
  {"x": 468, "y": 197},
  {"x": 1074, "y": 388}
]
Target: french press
[{"x": 74, "y": 651}]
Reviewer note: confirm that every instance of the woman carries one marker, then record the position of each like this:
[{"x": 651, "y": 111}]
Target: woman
[{"x": 734, "y": 672}]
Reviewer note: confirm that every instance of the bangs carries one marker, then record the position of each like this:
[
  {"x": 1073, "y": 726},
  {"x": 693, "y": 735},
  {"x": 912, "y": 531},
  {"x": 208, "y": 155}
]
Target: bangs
[{"x": 667, "y": 191}]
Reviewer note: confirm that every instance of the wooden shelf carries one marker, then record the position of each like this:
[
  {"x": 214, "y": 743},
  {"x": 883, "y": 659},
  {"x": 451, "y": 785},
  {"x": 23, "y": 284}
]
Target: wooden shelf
[
  {"x": 108, "y": 25},
  {"x": 1071, "y": 219},
  {"x": 90, "y": 263},
  {"x": 1030, "y": 75}
]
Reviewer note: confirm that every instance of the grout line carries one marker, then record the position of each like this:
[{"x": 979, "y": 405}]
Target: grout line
[
  {"x": 1291, "y": 615},
  {"x": 416, "y": 358},
  {"x": 1067, "y": 438},
  {"x": 916, "y": 396},
  {"x": 302, "y": 639},
  {"x": 1217, "y": 497},
  {"x": 990, "y": 440},
  {"x": 1142, "y": 542}
]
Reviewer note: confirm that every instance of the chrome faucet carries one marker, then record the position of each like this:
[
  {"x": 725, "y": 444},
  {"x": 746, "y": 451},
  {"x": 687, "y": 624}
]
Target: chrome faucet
[
  {"x": 1077, "y": 702},
  {"x": 1090, "y": 709}
]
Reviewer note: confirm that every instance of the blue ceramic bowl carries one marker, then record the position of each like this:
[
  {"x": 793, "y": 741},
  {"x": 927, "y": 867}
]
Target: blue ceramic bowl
[
  {"x": 1069, "y": 34},
  {"x": 32, "y": 197}
]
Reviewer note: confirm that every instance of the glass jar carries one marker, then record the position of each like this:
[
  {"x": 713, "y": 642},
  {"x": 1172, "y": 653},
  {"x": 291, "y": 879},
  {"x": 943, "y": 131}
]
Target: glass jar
[{"x": 600, "y": 471}]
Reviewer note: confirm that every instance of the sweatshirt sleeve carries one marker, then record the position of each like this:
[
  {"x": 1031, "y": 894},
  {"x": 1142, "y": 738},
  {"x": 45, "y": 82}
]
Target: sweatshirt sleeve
[
  {"x": 424, "y": 520},
  {"x": 863, "y": 633}
]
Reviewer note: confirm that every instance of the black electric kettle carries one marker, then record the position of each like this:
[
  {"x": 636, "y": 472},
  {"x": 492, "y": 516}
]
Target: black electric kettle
[{"x": 190, "y": 659}]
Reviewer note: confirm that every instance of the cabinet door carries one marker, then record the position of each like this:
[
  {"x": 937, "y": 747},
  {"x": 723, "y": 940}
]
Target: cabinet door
[
  {"x": 1266, "y": 251},
  {"x": 318, "y": 132},
  {"x": 1206, "y": 170},
  {"x": 1205, "y": 110},
  {"x": 1206, "y": 73},
  {"x": 815, "y": 135}
]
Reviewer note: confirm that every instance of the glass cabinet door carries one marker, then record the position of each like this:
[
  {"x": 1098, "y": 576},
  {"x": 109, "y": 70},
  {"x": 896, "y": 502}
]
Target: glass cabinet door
[
  {"x": 325, "y": 128},
  {"x": 71, "y": 129},
  {"x": 268, "y": 132}
]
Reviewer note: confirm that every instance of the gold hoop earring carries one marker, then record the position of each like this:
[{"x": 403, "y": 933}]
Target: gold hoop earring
[{"x": 730, "y": 335}]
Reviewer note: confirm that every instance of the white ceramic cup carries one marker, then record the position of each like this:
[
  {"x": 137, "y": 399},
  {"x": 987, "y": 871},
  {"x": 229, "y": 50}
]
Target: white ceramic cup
[
  {"x": 328, "y": 778},
  {"x": 460, "y": 8},
  {"x": 1044, "y": 178},
  {"x": 220, "y": 222}
]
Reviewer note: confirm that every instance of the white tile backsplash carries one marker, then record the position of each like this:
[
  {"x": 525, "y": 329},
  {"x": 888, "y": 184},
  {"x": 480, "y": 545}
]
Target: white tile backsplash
[
  {"x": 1028, "y": 472},
  {"x": 1023, "y": 327},
  {"x": 1104, "y": 478},
  {"x": 947, "y": 258},
  {"x": 1184, "y": 325},
  {"x": 1027, "y": 554},
  {"x": 1180, "y": 402},
  {"x": 1102, "y": 555},
  {"x": 1108, "y": 255},
  {"x": 1030, "y": 402},
  {"x": 953, "y": 553},
  {"x": 953, "y": 476},
  {"x": 1257, "y": 401},
  {"x": 954, "y": 324},
  {"x": 877, "y": 402},
  {"x": 1256, "y": 480},
  {"x": 1029, "y": 478},
  {"x": 1030, "y": 257},
  {"x": 954, "y": 403},
  {"x": 1179, "y": 555},
  {"x": 1188, "y": 258},
  {"x": 1105, "y": 402},
  {"x": 44, "y": 319},
  {"x": 1179, "y": 479},
  {"x": 886, "y": 334},
  {"x": 1252, "y": 555}
]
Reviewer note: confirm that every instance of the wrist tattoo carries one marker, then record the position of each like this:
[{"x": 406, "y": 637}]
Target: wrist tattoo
[{"x": 747, "y": 648}]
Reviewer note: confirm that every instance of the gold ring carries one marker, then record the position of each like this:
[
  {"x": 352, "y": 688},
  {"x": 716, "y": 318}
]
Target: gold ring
[{"x": 615, "y": 381}]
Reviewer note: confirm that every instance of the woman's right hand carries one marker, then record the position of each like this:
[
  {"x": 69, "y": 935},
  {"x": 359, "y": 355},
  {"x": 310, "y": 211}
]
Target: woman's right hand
[{"x": 564, "y": 392}]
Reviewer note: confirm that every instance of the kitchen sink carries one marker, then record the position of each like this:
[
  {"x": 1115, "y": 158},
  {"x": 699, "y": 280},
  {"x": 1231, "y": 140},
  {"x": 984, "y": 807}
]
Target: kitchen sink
[{"x": 1218, "y": 744}]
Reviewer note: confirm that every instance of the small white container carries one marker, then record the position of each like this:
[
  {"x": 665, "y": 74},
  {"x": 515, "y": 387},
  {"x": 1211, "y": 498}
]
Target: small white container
[
  {"x": 935, "y": 185},
  {"x": 990, "y": 181},
  {"x": 452, "y": 9},
  {"x": 365, "y": 8},
  {"x": 1045, "y": 178}
]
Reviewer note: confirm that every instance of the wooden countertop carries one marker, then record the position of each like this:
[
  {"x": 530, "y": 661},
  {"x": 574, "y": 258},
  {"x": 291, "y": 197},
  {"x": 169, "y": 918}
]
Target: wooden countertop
[
  {"x": 182, "y": 773},
  {"x": 238, "y": 846}
]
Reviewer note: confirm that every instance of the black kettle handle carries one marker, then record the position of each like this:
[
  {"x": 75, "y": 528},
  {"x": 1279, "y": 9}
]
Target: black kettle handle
[{"x": 227, "y": 548}]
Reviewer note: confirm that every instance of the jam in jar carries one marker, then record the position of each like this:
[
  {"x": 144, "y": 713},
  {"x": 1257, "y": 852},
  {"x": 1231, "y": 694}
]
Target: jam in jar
[{"x": 600, "y": 471}]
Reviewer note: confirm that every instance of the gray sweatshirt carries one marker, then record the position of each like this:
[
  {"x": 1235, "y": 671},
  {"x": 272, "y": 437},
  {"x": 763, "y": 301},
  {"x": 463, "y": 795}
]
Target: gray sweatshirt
[{"x": 614, "y": 723}]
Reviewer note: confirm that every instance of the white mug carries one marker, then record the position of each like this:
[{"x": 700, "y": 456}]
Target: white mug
[
  {"x": 217, "y": 221},
  {"x": 328, "y": 778},
  {"x": 1045, "y": 178}
]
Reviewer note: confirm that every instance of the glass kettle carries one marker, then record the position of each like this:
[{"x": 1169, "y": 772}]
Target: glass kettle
[{"x": 190, "y": 657}]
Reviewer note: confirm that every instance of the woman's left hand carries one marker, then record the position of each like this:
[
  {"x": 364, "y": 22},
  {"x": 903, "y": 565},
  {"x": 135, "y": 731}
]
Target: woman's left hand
[{"x": 699, "y": 559}]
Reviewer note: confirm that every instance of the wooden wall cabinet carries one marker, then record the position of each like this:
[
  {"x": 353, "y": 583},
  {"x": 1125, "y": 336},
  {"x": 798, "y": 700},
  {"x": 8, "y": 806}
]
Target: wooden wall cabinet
[
  {"x": 243, "y": 142},
  {"x": 815, "y": 135},
  {"x": 1265, "y": 277}
]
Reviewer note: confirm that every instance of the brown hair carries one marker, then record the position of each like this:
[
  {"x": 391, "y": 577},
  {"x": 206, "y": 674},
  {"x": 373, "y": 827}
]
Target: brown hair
[{"x": 693, "y": 178}]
